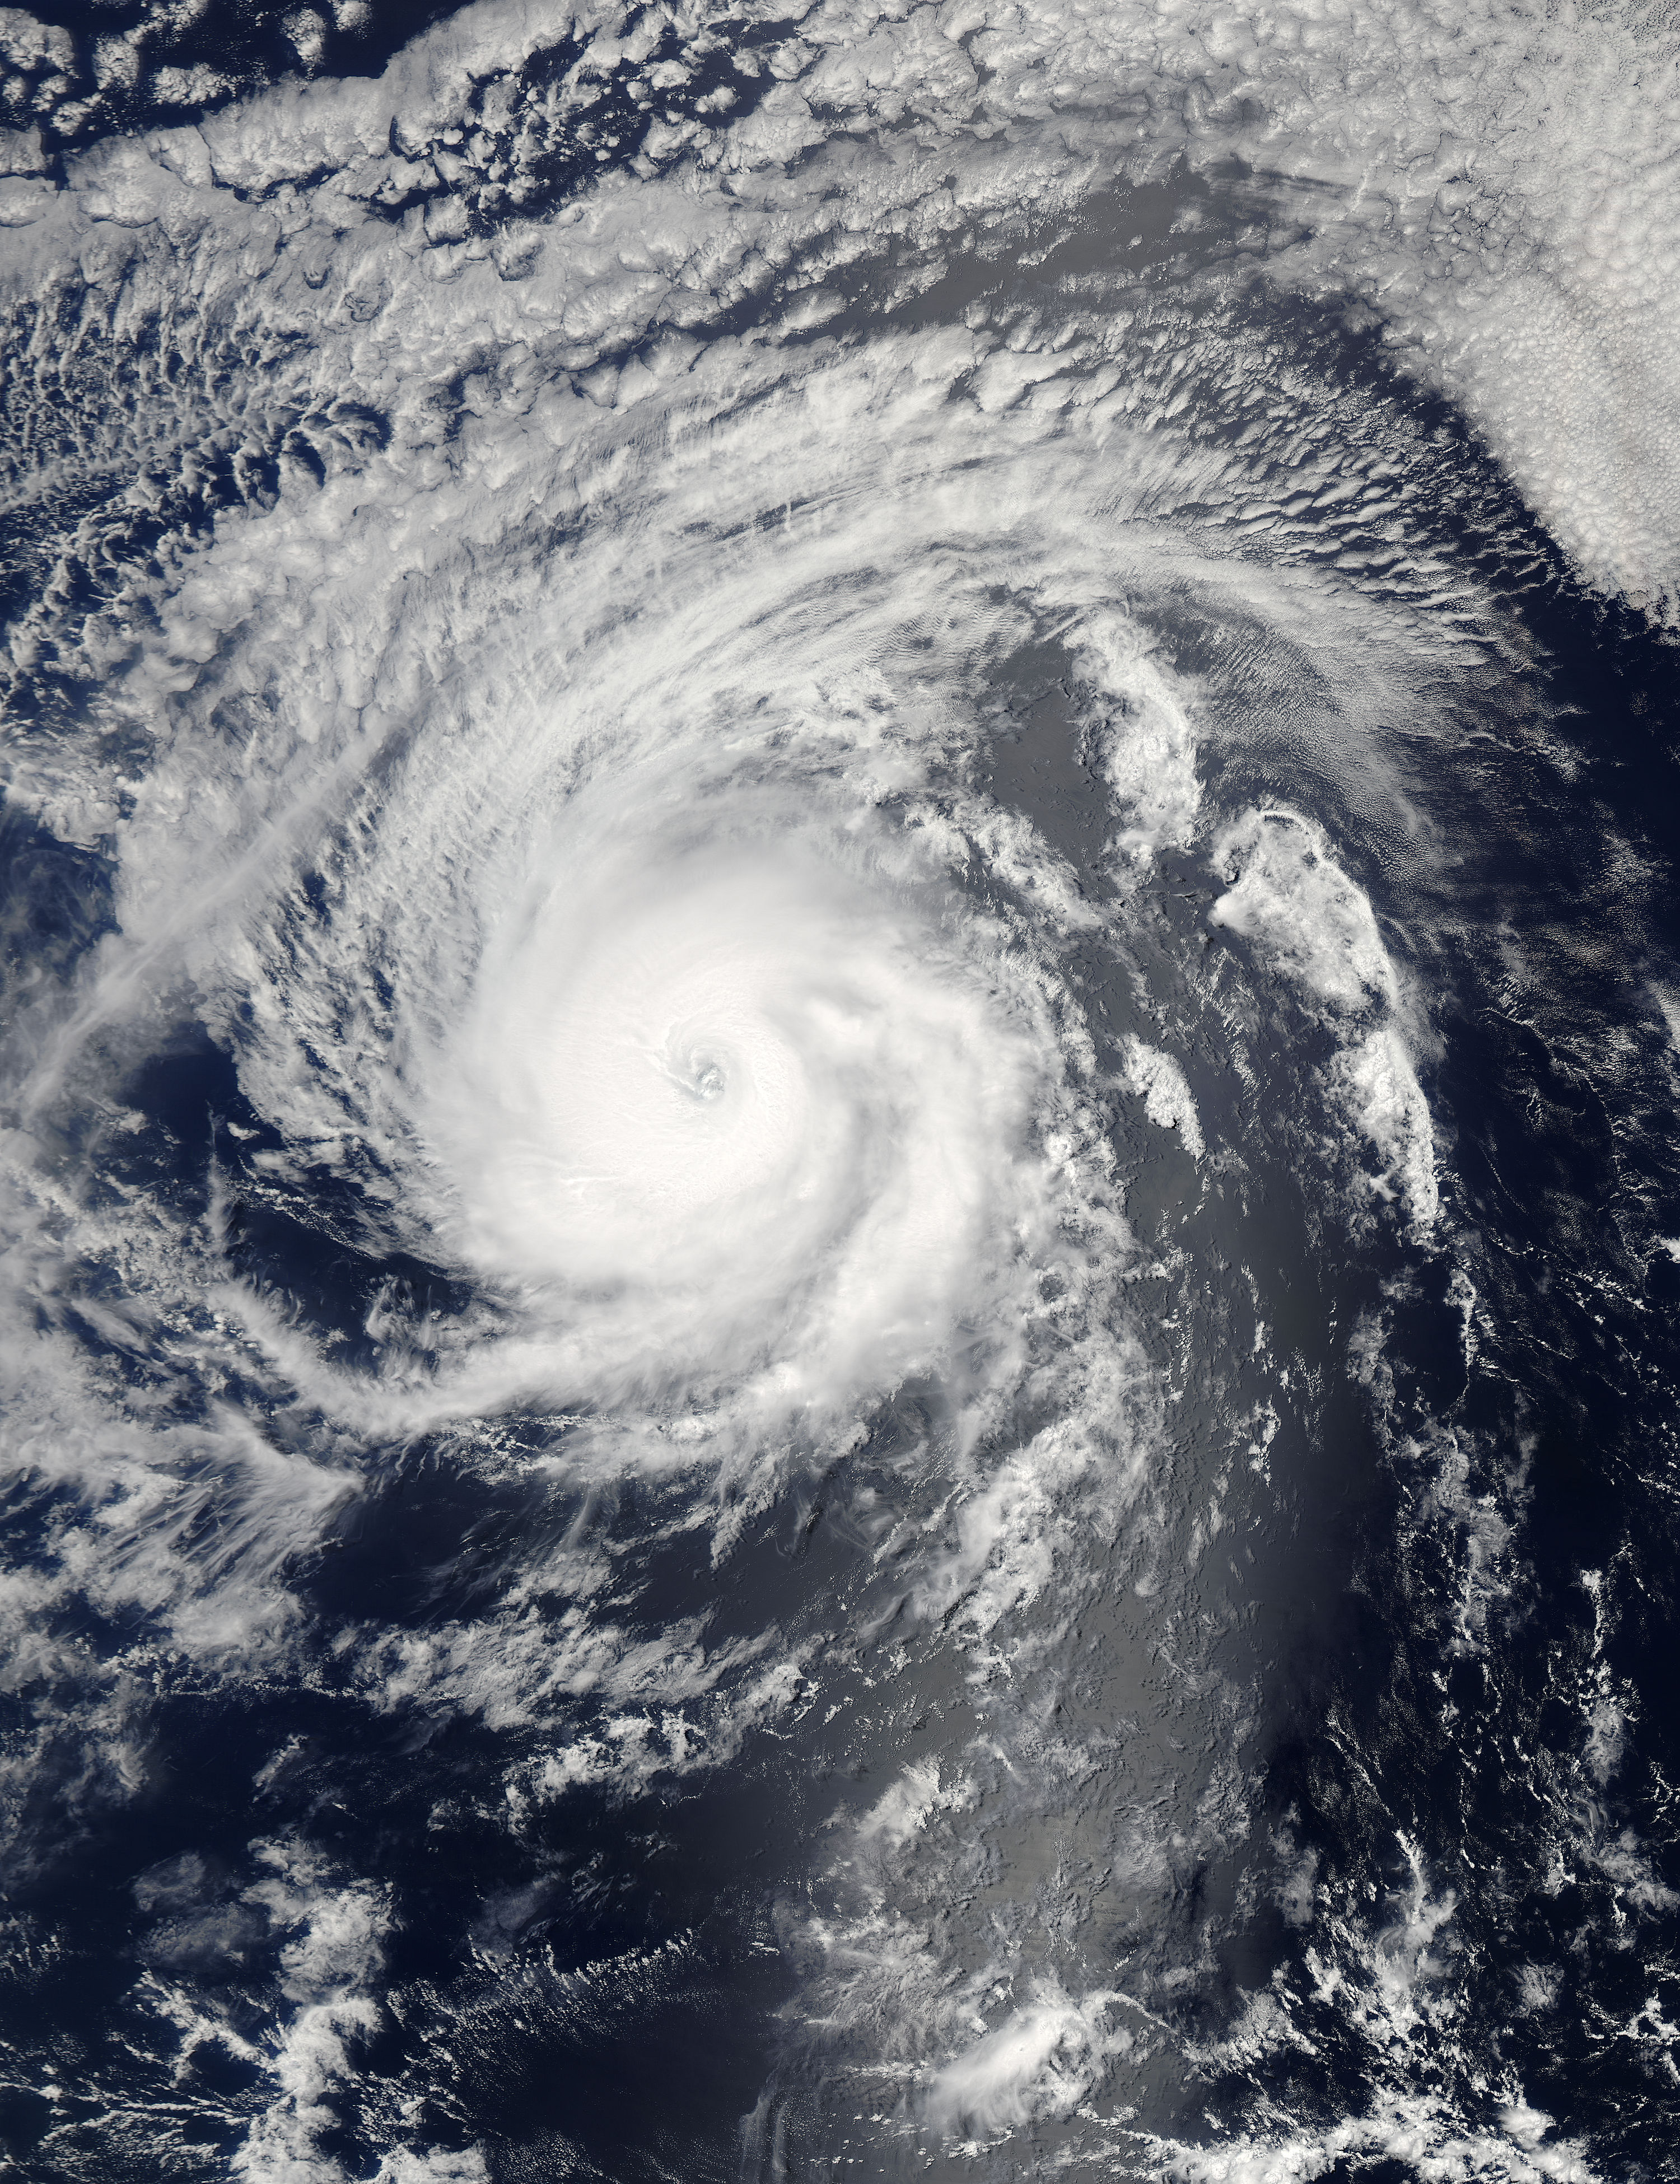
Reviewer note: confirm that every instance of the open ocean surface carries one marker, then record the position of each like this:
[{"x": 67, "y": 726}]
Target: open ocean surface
[{"x": 840, "y": 1093}]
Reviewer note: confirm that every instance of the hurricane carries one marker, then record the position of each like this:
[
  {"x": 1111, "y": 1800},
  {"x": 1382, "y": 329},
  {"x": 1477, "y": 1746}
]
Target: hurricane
[{"x": 839, "y": 1213}]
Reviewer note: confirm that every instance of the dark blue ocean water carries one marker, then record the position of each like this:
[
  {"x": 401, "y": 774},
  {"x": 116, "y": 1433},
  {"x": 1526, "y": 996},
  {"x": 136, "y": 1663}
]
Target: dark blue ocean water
[{"x": 503, "y": 1802}]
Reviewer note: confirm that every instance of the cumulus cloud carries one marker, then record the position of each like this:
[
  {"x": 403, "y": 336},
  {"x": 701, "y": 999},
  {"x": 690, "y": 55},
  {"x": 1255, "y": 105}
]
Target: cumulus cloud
[{"x": 1043, "y": 2060}]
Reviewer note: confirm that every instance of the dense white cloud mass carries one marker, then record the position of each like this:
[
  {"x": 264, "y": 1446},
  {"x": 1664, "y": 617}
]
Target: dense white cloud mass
[
  {"x": 727, "y": 751},
  {"x": 1318, "y": 928}
]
